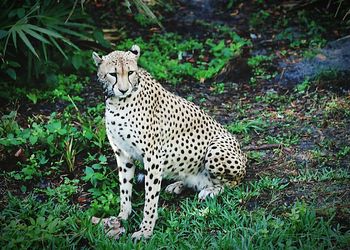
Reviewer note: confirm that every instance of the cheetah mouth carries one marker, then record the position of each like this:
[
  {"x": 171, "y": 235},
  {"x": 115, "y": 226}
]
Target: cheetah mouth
[
  {"x": 110, "y": 93},
  {"x": 127, "y": 94}
]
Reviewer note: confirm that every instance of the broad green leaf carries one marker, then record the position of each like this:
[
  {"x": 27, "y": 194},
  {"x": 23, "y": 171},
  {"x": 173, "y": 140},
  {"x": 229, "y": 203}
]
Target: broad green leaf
[
  {"x": 77, "y": 61},
  {"x": 96, "y": 166},
  {"x": 98, "y": 35},
  {"x": 62, "y": 131},
  {"x": 33, "y": 139},
  {"x": 23, "y": 189},
  {"x": 3, "y": 33},
  {"x": 89, "y": 172},
  {"x": 14, "y": 64},
  {"x": 54, "y": 126},
  {"x": 20, "y": 12},
  {"x": 27, "y": 42},
  {"x": 102, "y": 159},
  {"x": 11, "y": 73},
  {"x": 87, "y": 133}
]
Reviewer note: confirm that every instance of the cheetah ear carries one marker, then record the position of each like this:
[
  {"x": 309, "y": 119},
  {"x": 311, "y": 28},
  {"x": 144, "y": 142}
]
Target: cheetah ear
[
  {"x": 135, "y": 49},
  {"x": 97, "y": 58}
]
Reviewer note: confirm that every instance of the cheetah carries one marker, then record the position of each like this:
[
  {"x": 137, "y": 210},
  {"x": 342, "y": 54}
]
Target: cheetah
[{"x": 170, "y": 135}]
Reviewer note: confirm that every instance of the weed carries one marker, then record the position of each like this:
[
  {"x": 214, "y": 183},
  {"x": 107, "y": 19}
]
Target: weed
[
  {"x": 272, "y": 97},
  {"x": 259, "y": 65},
  {"x": 325, "y": 174},
  {"x": 64, "y": 86},
  {"x": 246, "y": 126},
  {"x": 343, "y": 152},
  {"x": 175, "y": 58},
  {"x": 63, "y": 192},
  {"x": 286, "y": 139},
  {"x": 104, "y": 183},
  {"x": 143, "y": 20},
  {"x": 303, "y": 87},
  {"x": 258, "y": 18},
  {"x": 309, "y": 36},
  {"x": 337, "y": 108},
  {"x": 32, "y": 168},
  {"x": 70, "y": 153},
  {"x": 190, "y": 98},
  {"x": 219, "y": 88},
  {"x": 8, "y": 124},
  {"x": 256, "y": 156}
]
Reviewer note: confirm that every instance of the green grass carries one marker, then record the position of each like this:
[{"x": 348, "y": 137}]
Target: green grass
[
  {"x": 225, "y": 222},
  {"x": 325, "y": 174}
]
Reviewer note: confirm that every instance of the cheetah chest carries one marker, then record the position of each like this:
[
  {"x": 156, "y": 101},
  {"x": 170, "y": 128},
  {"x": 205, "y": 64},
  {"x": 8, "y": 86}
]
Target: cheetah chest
[{"x": 122, "y": 136}]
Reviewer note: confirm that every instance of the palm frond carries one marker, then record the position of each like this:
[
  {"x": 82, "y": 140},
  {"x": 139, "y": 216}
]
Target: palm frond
[{"x": 27, "y": 42}]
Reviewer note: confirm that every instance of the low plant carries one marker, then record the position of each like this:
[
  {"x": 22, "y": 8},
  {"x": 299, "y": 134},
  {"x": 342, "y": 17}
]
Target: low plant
[
  {"x": 218, "y": 88},
  {"x": 62, "y": 193},
  {"x": 259, "y": 18},
  {"x": 245, "y": 126},
  {"x": 32, "y": 168},
  {"x": 286, "y": 139},
  {"x": 174, "y": 58},
  {"x": 337, "y": 108},
  {"x": 303, "y": 87},
  {"x": 260, "y": 65},
  {"x": 104, "y": 184},
  {"x": 324, "y": 174},
  {"x": 309, "y": 33}
]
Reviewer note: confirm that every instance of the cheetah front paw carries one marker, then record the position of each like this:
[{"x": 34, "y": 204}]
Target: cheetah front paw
[
  {"x": 141, "y": 234},
  {"x": 111, "y": 225},
  {"x": 175, "y": 188},
  {"x": 209, "y": 192}
]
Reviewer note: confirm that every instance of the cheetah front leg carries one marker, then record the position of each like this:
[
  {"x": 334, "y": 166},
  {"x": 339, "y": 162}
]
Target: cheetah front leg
[
  {"x": 126, "y": 172},
  {"x": 152, "y": 188}
]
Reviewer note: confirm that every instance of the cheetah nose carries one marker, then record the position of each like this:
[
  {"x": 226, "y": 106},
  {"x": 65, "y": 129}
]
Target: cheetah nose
[{"x": 122, "y": 91}]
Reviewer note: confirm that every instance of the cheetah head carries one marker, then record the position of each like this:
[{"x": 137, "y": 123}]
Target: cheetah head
[{"x": 118, "y": 72}]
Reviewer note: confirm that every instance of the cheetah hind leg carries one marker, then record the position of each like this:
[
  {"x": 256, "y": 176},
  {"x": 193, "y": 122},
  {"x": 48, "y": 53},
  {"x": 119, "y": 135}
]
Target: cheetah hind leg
[{"x": 175, "y": 188}]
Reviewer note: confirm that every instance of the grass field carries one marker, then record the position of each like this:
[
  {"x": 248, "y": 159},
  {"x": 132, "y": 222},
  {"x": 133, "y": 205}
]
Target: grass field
[{"x": 58, "y": 170}]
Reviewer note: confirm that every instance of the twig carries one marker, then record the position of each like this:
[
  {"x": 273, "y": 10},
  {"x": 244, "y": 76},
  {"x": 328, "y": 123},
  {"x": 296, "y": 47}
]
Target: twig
[
  {"x": 282, "y": 75},
  {"x": 344, "y": 37},
  {"x": 261, "y": 147},
  {"x": 72, "y": 10},
  {"x": 336, "y": 13}
]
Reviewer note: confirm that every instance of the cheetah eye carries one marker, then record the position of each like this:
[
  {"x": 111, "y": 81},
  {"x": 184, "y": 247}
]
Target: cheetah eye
[
  {"x": 113, "y": 74},
  {"x": 130, "y": 73}
]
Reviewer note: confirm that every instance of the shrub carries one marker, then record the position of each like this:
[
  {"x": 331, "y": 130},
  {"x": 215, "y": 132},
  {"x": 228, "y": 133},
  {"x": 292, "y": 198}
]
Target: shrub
[{"x": 37, "y": 38}]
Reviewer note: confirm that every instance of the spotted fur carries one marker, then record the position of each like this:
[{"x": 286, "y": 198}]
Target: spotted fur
[{"x": 171, "y": 136}]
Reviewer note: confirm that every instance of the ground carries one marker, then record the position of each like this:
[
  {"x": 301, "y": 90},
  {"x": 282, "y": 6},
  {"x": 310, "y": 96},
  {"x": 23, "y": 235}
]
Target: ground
[{"x": 295, "y": 131}]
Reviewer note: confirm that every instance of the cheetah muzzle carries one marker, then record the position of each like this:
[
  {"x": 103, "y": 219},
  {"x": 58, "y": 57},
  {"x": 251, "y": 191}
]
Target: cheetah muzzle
[{"x": 171, "y": 136}]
